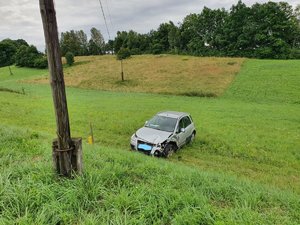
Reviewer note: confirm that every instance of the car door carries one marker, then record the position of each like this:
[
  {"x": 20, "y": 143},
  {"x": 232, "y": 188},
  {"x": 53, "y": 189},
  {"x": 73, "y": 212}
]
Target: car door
[
  {"x": 189, "y": 128},
  {"x": 181, "y": 137}
]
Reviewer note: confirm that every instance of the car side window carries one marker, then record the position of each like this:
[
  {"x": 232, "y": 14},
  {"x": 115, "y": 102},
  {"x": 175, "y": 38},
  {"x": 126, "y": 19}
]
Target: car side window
[
  {"x": 180, "y": 125},
  {"x": 184, "y": 123},
  {"x": 187, "y": 121}
]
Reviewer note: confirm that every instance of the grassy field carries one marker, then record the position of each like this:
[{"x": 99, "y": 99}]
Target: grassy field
[
  {"x": 121, "y": 187},
  {"x": 267, "y": 82},
  {"x": 242, "y": 169},
  {"x": 180, "y": 75}
]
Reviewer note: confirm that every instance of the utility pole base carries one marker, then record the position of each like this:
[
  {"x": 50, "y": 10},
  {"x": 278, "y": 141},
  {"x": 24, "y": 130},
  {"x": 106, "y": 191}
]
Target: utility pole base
[{"x": 68, "y": 162}]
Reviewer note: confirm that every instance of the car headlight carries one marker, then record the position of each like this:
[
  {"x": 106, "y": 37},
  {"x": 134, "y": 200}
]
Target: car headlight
[{"x": 134, "y": 137}]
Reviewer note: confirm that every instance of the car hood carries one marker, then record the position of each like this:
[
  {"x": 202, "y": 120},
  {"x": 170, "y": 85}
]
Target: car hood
[{"x": 152, "y": 135}]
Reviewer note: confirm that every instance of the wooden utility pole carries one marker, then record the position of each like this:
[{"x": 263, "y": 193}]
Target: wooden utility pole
[{"x": 67, "y": 152}]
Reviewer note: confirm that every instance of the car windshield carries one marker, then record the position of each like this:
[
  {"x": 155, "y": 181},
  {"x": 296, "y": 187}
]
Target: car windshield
[{"x": 162, "y": 123}]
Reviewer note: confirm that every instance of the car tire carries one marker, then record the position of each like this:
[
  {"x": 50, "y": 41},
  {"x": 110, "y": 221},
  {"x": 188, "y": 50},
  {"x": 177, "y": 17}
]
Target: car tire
[
  {"x": 157, "y": 154},
  {"x": 169, "y": 150},
  {"x": 192, "y": 138}
]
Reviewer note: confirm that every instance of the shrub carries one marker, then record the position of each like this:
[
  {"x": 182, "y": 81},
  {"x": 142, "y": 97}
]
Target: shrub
[
  {"x": 157, "y": 49},
  {"x": 70, "y": 58},
  {"x": 29, "y": 56},
  {"x": 295, "y": 53},
  {"x": 41, "y": 62}
]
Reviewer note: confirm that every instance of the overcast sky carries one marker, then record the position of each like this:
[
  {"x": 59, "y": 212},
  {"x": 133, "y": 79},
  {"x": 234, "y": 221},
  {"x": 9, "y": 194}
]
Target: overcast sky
[{"x": 21, "y": 18}]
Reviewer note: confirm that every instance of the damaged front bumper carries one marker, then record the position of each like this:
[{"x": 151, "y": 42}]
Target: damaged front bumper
[{"x": 145, "y": 147}]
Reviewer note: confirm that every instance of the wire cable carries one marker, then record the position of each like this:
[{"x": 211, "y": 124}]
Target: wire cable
[
  {"x": 109, "y": 14},
  {"x": 104, "y": 19}
]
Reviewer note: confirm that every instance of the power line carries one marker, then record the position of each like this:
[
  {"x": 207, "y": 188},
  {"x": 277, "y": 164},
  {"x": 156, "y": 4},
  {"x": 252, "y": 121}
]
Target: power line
[
  {"x": 104, "y": 19},
  {"x": 109, "y": 15}
]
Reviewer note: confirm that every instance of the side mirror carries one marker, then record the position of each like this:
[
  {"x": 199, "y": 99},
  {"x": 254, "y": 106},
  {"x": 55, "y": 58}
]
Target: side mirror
[{"x": 182, "y": 130}]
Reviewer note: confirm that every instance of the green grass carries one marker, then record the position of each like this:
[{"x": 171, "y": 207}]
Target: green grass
[
  {"x": 242, "y": 169},
  {"x": 20, "y": 73},
  {"x": 121, "y": 187},
  {"x": 267, "y": 81}
]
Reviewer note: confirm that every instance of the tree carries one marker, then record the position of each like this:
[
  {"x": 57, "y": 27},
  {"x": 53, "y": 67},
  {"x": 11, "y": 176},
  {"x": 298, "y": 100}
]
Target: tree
[
  {"x": 7, "y": 53},
  {"x": 69, "y": 58},
  {"x": 83, "y": 43},
  {"x": 174, "y": 38},
  {"x": 160, "y": 38},
  {"x": 29, "y": 56},
  {"x": 19, "y": 52},
  {"x": 96, "y": 43},
  {"x": 109, "y": 46},
  {"x": 74, "y": 41},
  {"x": 119, "y": 41},
  {"x": 122, "y": 54},
  {"x": 135, "y": 42},
  {"x": 274, "y": 37}
]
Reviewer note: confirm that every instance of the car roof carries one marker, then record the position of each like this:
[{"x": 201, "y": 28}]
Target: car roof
[{"x": 172, "y": 114}]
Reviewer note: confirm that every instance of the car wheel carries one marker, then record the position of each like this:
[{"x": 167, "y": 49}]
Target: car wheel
[
  {"x": 169, "y": 150},
  {"x": 192, "y": 138},
  {"x": 157, "y": 154}
]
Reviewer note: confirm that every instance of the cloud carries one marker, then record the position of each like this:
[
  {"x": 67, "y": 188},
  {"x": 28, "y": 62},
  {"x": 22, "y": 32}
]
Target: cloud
[{"x": 21, "y": 18}]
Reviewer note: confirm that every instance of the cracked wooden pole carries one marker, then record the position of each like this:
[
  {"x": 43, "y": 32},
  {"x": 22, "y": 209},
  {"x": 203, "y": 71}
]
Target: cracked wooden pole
[{"x": 67, "y": 152}]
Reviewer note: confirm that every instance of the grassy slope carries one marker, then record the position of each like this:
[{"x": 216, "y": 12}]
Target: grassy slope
[
  {"x": 267, "y": 81},
  {"x": 127, "y": 188},
  {"x": 256, "y": 141},
  {"x": 19, "y": 73},
  {"x": 181, "y": 75}
]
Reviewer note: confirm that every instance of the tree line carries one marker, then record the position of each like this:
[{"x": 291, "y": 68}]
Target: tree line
[
  {"x": 263, "y": 30},
  {"x": 268, "y": 30},
  {"x": 77, "y": 43}
]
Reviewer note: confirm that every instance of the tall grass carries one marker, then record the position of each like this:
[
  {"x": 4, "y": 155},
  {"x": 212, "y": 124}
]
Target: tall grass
[
  {"x": 120, "y": 187},
  {"x": 167, "y": 74},
  {"x": 258, "y": 141}
]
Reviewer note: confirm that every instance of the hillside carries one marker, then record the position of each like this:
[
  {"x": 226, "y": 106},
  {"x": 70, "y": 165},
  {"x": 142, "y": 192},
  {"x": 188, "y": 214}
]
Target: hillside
[
  {"x": 120, "y": 187},
  {"x": 164, "y": 74},
  {"x": 243, "y": 167},
  {"x": 267, "y": 81}
]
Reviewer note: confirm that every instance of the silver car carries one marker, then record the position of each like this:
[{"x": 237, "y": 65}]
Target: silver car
[{"x": 165, "y": 133}]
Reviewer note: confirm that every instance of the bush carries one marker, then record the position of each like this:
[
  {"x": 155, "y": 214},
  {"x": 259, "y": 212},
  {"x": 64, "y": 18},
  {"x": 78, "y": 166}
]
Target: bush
[
  {"x": 295, "y": 53},
  {"x": 157, "y": 49},
  {"x": 135, "y": 51},
  {"x": 29, "y": 56},
  {"x": 41, "y": 62},
  {"x": 70, "y": 58}
]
